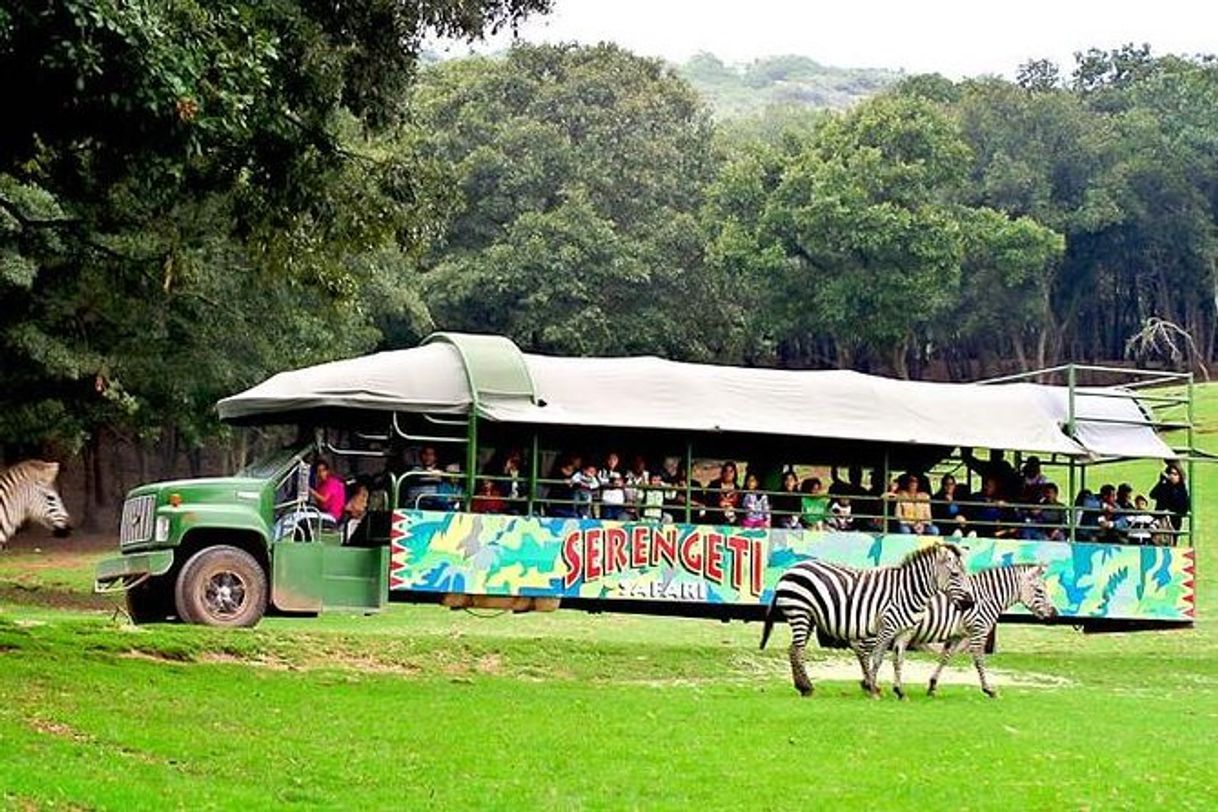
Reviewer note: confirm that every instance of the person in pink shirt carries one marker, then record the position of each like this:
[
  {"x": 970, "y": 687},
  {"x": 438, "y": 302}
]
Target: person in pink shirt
[{"x": 328, "y": 491}]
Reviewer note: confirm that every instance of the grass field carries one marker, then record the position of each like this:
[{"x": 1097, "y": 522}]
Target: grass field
[{"x": 424, "y": 708}]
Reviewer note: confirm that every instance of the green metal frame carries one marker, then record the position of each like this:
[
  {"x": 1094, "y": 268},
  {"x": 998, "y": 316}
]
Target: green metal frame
[{"x": 495, "y": 369}]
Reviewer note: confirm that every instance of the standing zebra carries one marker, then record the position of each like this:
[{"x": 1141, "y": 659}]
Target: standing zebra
[
  {"x": 995, "y": 590},
  {"x": 852, "y": 605},
  {"x": 27, "y": 494}
]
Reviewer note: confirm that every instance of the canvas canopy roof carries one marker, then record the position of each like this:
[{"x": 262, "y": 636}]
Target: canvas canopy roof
[{"x": 487, "y": 375}]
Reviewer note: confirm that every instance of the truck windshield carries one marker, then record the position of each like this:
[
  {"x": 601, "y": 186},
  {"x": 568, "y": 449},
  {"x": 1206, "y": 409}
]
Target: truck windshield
[{"x": 273, "y": 463}]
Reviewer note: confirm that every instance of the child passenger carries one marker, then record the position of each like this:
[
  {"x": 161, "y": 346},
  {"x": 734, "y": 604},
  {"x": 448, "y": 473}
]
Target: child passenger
[
  {"x": 756, "y": 505},
  {"x": 488, "y": 499},
  {"x": 814, "y": 505},
  {"x": 653, "y": 499},
  {"x": 584, "y": 484}
]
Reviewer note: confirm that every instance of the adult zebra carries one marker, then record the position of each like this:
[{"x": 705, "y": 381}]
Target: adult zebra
[
  {"x": 27, "y": 494},
  {"x": 853, "y": 605},
  {"x": 994, "y": 591}
]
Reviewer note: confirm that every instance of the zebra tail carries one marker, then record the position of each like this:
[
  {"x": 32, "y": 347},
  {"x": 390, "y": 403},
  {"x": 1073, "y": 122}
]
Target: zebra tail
[{"x": 769, "y": 620}]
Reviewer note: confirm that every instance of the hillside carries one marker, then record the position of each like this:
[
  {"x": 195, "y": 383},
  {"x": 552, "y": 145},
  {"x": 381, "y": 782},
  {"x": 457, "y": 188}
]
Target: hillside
[{"x": 780, "y": 81}]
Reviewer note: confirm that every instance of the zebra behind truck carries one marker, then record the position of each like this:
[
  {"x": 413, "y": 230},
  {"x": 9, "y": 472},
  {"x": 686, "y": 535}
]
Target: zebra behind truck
[
  {"x": 28, "y": 494},
  {"x": 852, "y": 605},
  {"x": 994, "y": 590}
]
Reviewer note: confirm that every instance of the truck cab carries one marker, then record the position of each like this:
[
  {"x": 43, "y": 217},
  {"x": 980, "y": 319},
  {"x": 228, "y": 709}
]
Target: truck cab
[{"x": 222, "y": 551}]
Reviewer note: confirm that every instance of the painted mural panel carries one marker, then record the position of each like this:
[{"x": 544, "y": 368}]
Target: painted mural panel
[{"x": 490, "y": 554}]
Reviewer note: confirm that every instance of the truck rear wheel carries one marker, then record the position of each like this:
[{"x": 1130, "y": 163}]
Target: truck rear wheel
[
  {"x": 151, "y": 601},
  {"x": 221, "y": 586}
]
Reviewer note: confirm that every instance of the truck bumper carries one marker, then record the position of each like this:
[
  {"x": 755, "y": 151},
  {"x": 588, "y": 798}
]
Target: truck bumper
[{"x": 122, "y": 572}]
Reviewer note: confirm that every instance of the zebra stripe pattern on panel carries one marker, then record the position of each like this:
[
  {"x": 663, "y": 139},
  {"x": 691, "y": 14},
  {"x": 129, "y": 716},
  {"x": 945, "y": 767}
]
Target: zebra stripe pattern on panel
[
  {"x": 994, "y": 591},
  {"x": 27, "y": 494},
  {"x": 874, "y": 605}
]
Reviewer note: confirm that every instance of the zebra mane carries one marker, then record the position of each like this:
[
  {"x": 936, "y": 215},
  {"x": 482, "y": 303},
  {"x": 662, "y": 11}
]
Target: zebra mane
[{"x": 929, "y": 551}]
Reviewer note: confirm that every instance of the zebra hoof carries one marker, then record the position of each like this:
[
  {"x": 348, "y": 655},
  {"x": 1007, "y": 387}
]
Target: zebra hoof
[
  {"x": 865, "y": 685},
  {"x": 807, "y": 691},
  {"x": 932, "y": 691},
  {"x": 990, "y": 692},
  {"x": 900, "y": 692}
]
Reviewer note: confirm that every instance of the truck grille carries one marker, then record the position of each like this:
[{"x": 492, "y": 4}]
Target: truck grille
[{"x": 137, "y": 519}]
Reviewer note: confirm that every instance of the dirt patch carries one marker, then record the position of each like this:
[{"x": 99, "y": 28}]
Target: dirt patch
[
  {"x": 52, "y": 598},
  {"x": 156, "y": 656},
  {"x": 50, "y": 727},
  {"x": 38, "y": 539},
  {"x": 260, "y": 661},
  {"x": 918, "y": 673}
]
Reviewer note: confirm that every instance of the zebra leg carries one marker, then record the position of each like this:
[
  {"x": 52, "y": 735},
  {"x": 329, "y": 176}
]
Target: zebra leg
[
  {"x": 861, "y": 651},
  {"x": 945, "y": 656},
  {"x": 882, "y": 642},
  {"x": 977, "y": 645},
  {"x": 898, "y": 660},
  {"x": 799, "y": 642},
  {"x": 799, "y": 673}
]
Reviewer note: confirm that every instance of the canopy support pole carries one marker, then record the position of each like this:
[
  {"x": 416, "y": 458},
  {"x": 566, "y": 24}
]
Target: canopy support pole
[
  {"x": 884, "y": 500},
  {"x": 534, "y": 460},
  {"x": 1071, "y": 492},
  {"x": 471, "y": 457},
  {"x": 1192, "y": 484},
  {"x": 688, "y": 479}
]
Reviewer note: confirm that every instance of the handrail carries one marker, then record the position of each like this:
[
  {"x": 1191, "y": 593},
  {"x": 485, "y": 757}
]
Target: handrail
[{"x": 424, "y": 438}]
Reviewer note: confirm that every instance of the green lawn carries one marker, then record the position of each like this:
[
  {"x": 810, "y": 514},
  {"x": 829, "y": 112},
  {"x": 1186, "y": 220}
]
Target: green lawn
[{"x": 424, "y": 708}]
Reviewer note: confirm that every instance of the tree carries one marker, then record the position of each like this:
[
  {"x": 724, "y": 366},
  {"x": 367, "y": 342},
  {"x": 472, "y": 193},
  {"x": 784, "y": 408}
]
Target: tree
[
  {"x": 580, "y": 171},
  {"x": 852, "y": 236},
  {"x": 193, "y": 195}
]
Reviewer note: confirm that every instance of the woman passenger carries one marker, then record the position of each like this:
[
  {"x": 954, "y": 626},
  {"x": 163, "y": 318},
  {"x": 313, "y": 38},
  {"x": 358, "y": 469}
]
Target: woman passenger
[
  {"x": 786, "y": 504},
  {"x": 724, "y": 494},
  {"x": 913, "y": 507}
]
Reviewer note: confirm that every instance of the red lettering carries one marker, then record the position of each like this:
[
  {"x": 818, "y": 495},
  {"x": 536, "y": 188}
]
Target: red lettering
[
  {"x": 593, "y": 555},
  {"x": 638, "y": 546},
  {"x": 714, "y": 557},
  {"x": 691, "y": 557},
  {"x": 739, "y": 547},
  {"x": 664, "y": 546},
  {"x": 615, "y": 546},
  {"x": 571, "y": 559},
  {"x": 757, "y": 566}
]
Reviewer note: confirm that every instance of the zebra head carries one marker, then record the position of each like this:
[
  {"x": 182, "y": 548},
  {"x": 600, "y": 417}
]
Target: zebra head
[
  {"x": 47, "y": 509},
  {"x": 951, "y": 577},
  {"x": 1032, "y": 592}
]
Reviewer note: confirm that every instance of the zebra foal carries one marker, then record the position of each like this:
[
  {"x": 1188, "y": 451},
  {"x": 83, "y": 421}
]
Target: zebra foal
[
  {"x": 994, "y": 591},
  {"x": 851, "y": 605},
  {"x": 27, "y": 494}
]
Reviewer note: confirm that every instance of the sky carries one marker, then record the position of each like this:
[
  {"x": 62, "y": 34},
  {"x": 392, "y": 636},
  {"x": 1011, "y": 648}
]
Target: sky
[{"x": 951, "y": 37}]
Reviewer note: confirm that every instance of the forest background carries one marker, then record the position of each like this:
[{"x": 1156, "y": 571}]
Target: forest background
[{"x": 194, "y": 196}]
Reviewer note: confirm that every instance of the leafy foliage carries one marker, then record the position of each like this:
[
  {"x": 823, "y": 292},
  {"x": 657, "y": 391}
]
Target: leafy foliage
[
  {"x": 193, "y": 195},
  {"x": 581, "y": 171}
]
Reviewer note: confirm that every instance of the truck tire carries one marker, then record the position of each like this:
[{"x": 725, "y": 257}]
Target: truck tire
[
  {"x": 221, "y": 586},
  {"x": 151, "y": 601}
]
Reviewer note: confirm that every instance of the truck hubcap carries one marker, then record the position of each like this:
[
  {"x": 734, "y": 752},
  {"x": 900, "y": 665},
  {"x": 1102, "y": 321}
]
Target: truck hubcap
[{"x": 224, "y": 594}]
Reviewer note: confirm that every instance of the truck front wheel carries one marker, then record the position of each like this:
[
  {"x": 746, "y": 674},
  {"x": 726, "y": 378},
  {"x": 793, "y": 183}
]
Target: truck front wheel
[{"x": 221, "y": 586}]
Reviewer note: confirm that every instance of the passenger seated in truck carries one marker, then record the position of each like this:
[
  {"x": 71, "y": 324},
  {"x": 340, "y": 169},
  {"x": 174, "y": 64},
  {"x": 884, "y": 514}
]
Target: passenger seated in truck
[
  {"x": 328, "y": 492},
  {"x": 422, "y": 481},
  {"x": 488, "y": 499}
]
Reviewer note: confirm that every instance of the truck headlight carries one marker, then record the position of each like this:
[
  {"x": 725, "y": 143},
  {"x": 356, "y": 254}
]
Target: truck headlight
[{"x": 162, "y": 529}]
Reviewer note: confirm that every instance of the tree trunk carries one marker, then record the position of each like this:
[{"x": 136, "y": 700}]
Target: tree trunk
[{"x": 88, "y": 518}]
